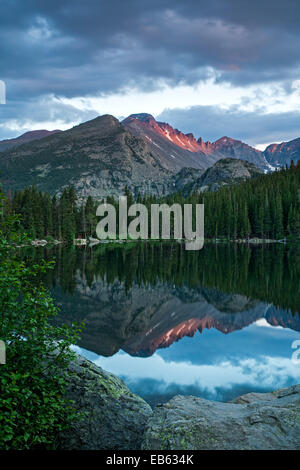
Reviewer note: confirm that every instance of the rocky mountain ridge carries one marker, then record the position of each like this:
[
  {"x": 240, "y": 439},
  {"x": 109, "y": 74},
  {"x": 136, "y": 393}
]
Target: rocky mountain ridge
[
  {"x": 176, "y": 150},
  {"x": 100, "y": 157},
  {"x": 170, "y": 139},
  {"x": 281, "y": 154},
  {"x": 25, "y": 138}
]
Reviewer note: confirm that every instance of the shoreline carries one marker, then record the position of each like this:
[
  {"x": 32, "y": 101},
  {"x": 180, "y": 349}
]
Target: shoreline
[{"x": 95, "y": 242}]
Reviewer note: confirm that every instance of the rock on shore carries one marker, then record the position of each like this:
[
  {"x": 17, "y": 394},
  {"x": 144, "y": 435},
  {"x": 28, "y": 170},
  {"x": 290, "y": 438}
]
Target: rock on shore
[
  {"x": 112, "y": 416},
  {"x": 252, "y": 421}
]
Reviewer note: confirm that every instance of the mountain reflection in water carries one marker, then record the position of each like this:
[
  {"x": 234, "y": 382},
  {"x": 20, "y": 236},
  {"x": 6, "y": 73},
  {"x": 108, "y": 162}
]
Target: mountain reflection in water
[{"x": 213, "y": 323}]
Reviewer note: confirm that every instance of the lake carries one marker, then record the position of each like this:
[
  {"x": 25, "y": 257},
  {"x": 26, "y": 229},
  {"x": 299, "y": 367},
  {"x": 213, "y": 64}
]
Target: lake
[{"x": 214, "y": 323}]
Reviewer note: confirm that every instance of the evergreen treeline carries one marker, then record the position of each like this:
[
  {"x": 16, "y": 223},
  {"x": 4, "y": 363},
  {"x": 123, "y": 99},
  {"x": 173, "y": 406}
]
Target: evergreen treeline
[
  {"x": 264, "y": 207},
  {"x": 57, "y": 217}
]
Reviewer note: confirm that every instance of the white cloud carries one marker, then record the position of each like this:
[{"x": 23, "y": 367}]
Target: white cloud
[
  {"x": 260, "y": 100},
  {"x": 270, "y": 371},
  {"x": 40, "y": 30},
  {"x": 263, "y": 98}
]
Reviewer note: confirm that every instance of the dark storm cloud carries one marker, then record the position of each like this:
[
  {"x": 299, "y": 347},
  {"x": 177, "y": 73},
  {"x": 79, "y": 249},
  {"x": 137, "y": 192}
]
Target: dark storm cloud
[
  {"x": 75, "y": 47},
  {"x": 212, "y": 122},
  {"x": 79, "y": 48}
]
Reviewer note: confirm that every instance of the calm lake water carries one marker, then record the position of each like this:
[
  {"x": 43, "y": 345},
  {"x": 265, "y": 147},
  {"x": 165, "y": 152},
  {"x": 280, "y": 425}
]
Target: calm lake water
[{"x": 215, "y": 323}]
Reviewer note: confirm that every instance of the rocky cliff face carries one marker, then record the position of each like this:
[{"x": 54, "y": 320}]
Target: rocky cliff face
[
  {"x": 145, "y": 121},
  {"x": 282, "y": 154},
  {"x": 175, "y": 149},
  {"x": 232, "y": 148},
  {"x": 172, "y": 140},
  {"x": 223, "y": 173},
  {"x": 185, "y": 178}
]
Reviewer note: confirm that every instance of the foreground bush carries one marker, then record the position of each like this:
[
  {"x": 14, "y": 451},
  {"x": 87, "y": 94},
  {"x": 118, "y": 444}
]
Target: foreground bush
[{"x": 33, "y": 407}]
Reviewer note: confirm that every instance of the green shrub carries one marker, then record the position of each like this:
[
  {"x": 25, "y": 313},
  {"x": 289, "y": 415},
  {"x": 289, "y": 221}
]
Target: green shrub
[{"x": 33, "y": 405}]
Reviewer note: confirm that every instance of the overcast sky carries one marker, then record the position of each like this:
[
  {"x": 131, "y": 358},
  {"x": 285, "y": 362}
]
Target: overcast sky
[{"x": 217, "y": 67}]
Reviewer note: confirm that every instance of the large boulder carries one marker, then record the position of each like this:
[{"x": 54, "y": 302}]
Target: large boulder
[
  {"x": 110, "y": 416},
  {"x": 253, "y": 421}
]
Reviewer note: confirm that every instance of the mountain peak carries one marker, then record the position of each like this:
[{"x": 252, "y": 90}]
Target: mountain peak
[
  {"x": 105, "y": 118},
  {"x": 101, "y": 124},
  {"x": 226, "y": 139},
  {"x": 143, "y": 117},
  {"x": 178, "y": 138}
]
